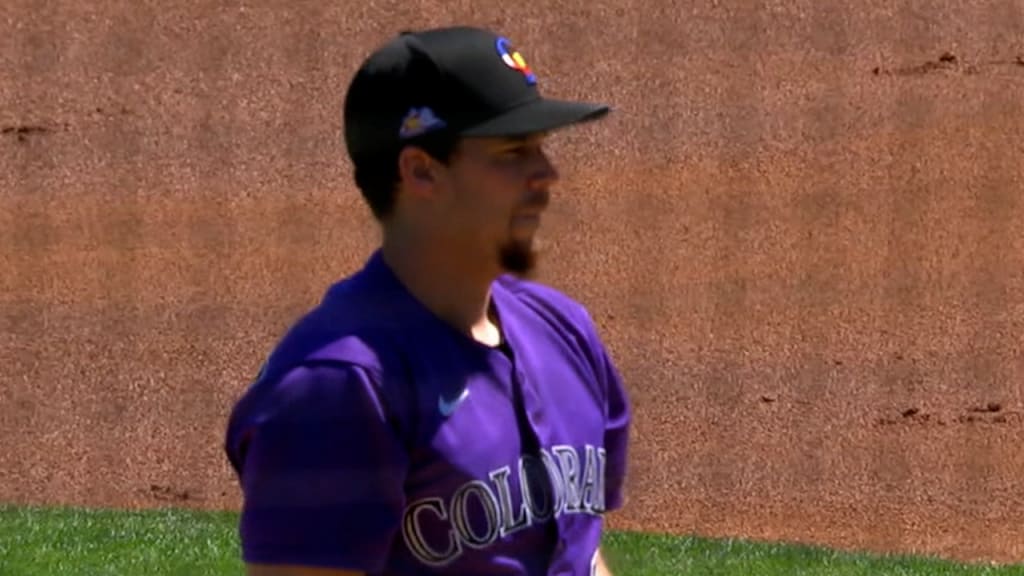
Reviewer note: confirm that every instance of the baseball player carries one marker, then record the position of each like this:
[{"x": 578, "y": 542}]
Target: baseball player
[{"x": 438, "y": 412}]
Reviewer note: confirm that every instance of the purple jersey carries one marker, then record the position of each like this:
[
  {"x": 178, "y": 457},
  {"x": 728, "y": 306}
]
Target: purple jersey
[{"x": 378, "y": 438}]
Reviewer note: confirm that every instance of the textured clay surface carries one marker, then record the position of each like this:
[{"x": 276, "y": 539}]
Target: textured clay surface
[{"x": 801, "y": 233}]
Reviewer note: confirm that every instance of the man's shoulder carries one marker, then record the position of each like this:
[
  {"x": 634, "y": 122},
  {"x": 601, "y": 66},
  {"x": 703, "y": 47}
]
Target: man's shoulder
[
  {"x": 352, "y": 324},
  {"x": 553, "y": 304},
  {"x": 348, "y": 344},
  {"x": 535, "y": 291}
]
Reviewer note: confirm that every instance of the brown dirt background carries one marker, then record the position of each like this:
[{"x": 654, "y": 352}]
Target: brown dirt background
[{"x": 800, "y": 232}]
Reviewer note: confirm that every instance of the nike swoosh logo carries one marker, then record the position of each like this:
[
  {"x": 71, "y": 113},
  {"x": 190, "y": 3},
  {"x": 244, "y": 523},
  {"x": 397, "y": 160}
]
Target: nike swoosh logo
[{"x": 447, "y": 407}]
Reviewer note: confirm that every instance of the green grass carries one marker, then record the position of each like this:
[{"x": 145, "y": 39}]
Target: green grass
[
  {"x": 72, "y": 542},
  {"x": 633, "y": 554},
  {"x": 55, "y": 541}
]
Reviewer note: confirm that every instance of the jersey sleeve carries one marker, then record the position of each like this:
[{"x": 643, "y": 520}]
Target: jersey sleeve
[
  {"x": 618, "y": 417},
  {"x": 322, "y": 473}
]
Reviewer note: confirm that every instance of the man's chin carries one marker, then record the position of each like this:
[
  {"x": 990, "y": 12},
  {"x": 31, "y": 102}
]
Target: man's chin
[{"x": 520, "y": 259}]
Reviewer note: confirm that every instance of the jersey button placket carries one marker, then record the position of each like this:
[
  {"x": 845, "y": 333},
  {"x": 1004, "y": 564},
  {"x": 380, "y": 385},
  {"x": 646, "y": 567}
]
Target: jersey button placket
[{"x": 532, "y": 406}]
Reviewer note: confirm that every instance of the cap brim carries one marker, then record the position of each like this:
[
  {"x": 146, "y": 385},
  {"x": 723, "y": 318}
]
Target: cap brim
[{"x": 542, "y": 115}]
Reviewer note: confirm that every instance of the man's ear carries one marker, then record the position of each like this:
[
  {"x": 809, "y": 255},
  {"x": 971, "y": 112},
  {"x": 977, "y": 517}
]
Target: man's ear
[{"x": 417, "y": 169}]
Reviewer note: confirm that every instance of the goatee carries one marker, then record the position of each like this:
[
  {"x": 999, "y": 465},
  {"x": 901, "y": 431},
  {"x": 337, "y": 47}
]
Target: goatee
[{"x": 519, "y": 259}]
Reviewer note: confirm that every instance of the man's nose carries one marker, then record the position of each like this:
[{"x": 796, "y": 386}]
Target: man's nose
[{"x": 545, "y": 174}]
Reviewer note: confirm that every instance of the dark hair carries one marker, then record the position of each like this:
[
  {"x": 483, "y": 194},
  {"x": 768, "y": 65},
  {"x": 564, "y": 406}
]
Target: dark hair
[{"x": 377, "y": 176}]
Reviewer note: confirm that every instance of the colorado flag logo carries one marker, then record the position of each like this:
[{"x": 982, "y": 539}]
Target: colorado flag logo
[{"x": 514, "y": 60}]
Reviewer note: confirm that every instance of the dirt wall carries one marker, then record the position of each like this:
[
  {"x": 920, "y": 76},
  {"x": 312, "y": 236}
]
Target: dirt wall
[{"x": 800, "y": 232}]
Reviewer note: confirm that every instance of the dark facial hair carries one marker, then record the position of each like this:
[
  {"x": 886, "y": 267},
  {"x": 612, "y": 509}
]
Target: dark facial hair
[{"x": 518, "y": 258}]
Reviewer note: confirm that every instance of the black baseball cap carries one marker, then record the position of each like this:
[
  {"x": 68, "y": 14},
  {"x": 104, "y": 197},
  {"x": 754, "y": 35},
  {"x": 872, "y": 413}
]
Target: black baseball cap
[{"x": 458, "y": 80}]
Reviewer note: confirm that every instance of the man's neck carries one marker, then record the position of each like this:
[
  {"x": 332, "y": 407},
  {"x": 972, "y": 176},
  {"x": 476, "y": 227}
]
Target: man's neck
[{"x": 447, "y": 285}]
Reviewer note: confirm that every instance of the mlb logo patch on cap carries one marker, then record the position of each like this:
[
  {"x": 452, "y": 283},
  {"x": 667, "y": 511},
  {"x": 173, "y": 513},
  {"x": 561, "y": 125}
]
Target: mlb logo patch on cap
[{"x": 418, "y": 121}]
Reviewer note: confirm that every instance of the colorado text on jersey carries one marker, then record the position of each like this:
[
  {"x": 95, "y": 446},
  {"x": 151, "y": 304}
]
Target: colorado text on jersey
[{"x": 552, "y": 485}]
